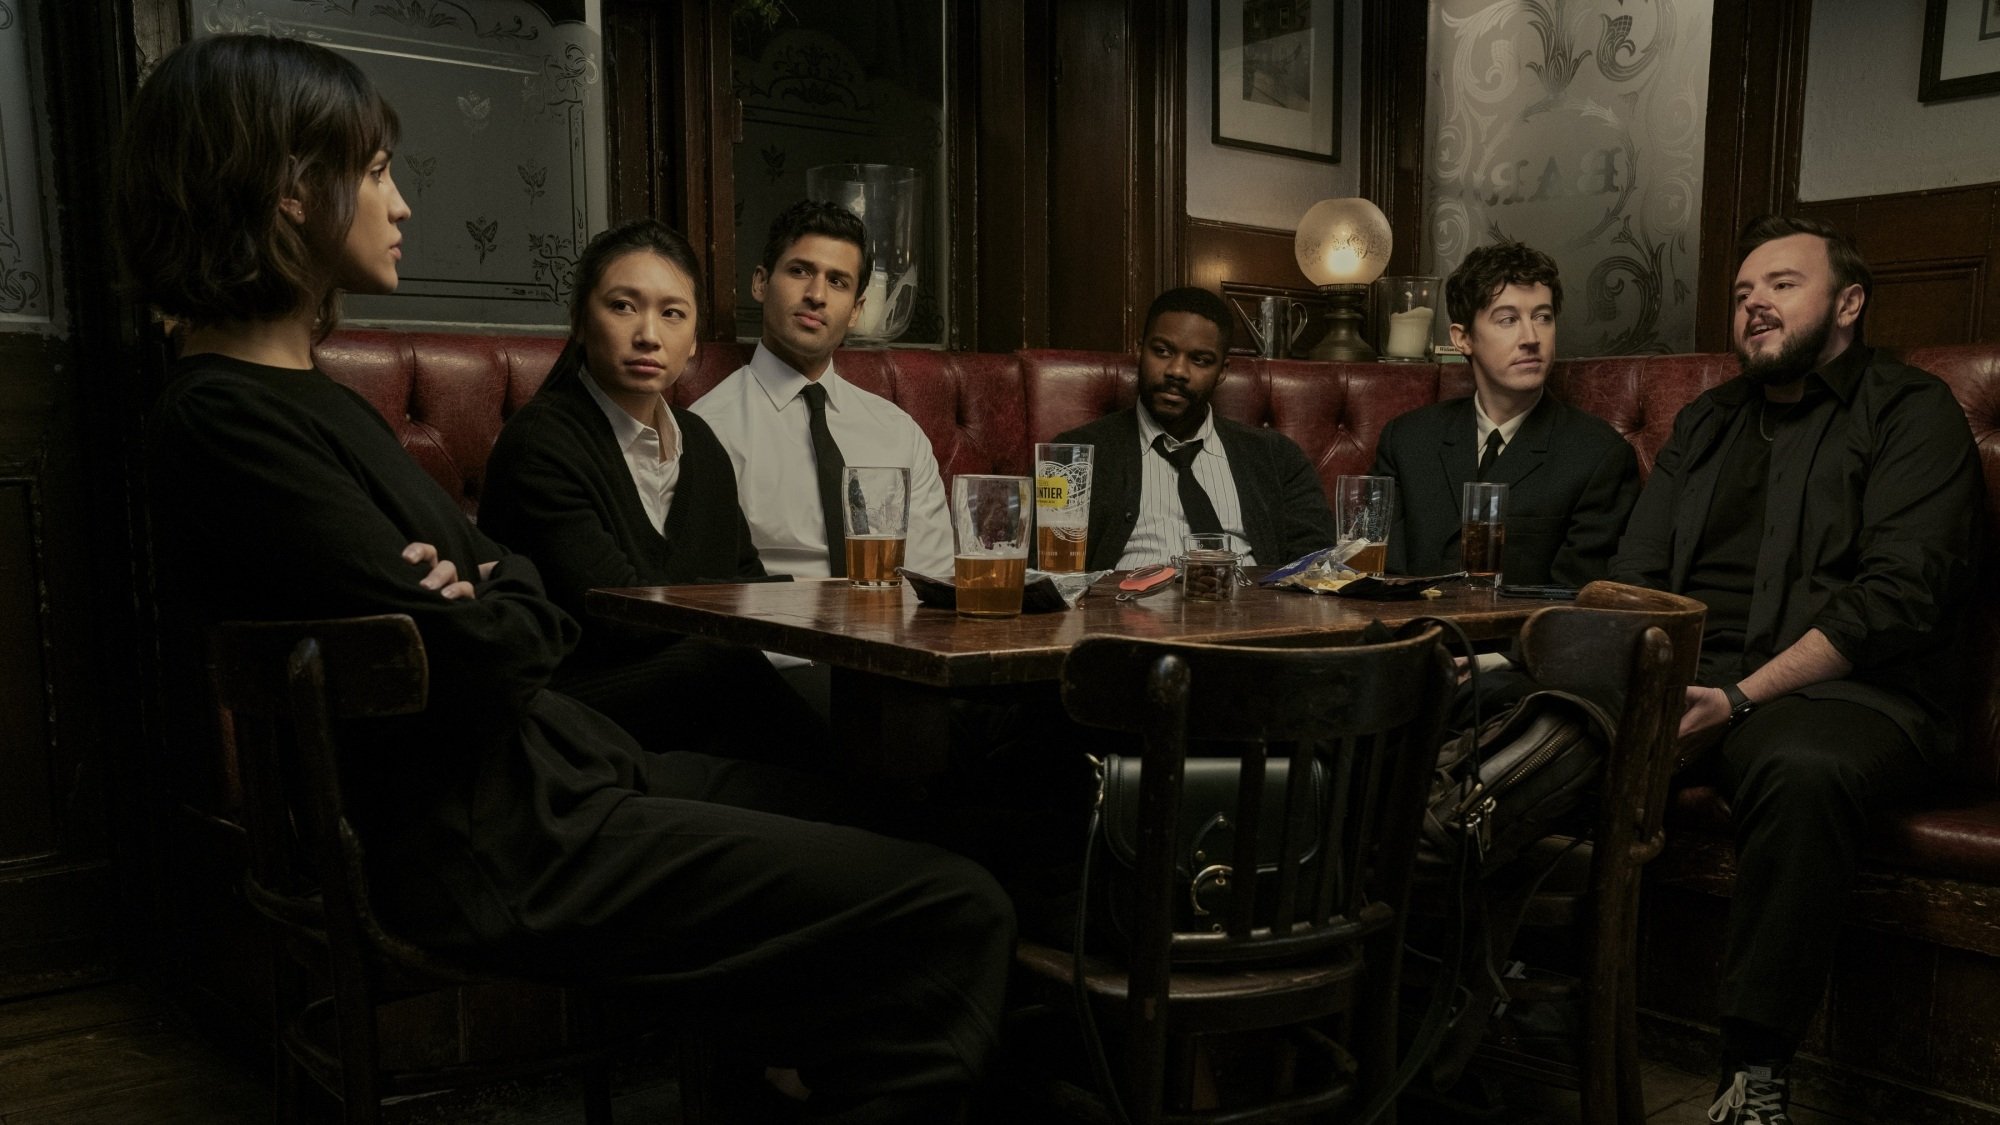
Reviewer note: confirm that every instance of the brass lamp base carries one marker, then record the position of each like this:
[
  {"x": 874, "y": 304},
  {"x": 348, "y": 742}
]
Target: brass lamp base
[{"x": 1343, "y": 342}]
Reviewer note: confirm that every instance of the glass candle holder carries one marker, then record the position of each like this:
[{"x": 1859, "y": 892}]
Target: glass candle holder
[{"x": 1408, "y": 319}]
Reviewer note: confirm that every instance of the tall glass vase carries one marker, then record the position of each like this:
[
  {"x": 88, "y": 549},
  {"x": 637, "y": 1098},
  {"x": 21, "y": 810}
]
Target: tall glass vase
[{"x": 886, "y": 197}]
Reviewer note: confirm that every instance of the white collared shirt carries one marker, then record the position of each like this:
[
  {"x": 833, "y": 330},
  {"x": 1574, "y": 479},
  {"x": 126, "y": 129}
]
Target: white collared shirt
[
  {"x": 653, "y": 456},
  {"x": 1156, "y": 536},
  {"x": 1482, "y": 425},
  {"x": 765, "y": 425}
]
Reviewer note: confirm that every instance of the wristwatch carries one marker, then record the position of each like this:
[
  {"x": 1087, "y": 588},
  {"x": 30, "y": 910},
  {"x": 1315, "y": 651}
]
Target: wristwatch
[{"x": 1740, "y": 705}]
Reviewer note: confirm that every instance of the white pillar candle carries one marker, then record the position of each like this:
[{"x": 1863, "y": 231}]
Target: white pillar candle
[{"x": 1409, "y": 334}]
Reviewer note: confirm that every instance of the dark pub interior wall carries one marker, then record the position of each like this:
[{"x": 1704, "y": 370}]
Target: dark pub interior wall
[{"x": 1080, "y": 177}]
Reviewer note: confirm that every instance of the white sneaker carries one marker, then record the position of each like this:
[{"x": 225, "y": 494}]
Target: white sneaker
[{"x": 1758, "y": 1095}]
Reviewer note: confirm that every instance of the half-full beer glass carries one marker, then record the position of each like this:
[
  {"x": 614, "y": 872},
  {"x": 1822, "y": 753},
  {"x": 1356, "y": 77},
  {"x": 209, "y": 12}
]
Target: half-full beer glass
[
  {"x": 1363, "y": 508},
  {"x": 1482, "y": 536},
  {"x": 992, "y": 518},
  {"x": 1062, "y": 505},
  {"x": 877, "y": 514}
]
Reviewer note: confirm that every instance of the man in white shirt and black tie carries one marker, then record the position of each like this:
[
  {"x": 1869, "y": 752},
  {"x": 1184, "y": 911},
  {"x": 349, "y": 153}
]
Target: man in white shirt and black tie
[
  {"x": 791, "y": 423},
  {"x": 1169, "y": 466},
  {"x": 1571, "y": 480}
]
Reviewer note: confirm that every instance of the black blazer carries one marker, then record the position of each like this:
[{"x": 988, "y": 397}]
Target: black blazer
[
  {"x": 1284, "y": 506},
  {"x": 1571, "y": 482},
  {"x": 558, "y": 491}
]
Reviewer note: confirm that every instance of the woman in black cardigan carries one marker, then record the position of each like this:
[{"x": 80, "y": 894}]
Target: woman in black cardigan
[{"x": 603, "y": 483}]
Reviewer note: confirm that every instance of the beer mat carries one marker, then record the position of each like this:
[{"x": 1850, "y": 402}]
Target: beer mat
[
  {"x": 1038, "y": 594},
  {"x": 1392, "y": 587}
]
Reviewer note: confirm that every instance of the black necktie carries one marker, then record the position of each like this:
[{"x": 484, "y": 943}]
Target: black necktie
[
  {"x": 827, "y": 463},
  {"x": 1492, "y": 453},
  {"x": 1195, "y": 504}
]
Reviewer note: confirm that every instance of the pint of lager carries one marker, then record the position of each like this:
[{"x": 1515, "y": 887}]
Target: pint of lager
[
  {"x": 991, "y": 517},
  {"x": 1062, "y": 505},
  {"x": 1482, "y": 537},
  {"x": 1363, "y": 508},
  {"x": 877, "y": 515}
]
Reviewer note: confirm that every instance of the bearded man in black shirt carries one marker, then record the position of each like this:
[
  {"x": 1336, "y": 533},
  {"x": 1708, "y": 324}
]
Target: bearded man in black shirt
[{"x": 1826, "y": 506}]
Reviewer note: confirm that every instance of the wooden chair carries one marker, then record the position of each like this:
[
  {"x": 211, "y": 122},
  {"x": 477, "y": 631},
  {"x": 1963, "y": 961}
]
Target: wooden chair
[
  {"x": 1643, "y": 644},
  {"x": 1329, "y": 950},
  {"x": 285, "y": 685}
]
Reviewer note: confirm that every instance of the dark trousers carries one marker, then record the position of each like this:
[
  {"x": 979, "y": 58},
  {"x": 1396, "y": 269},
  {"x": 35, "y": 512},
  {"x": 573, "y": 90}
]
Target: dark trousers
[
  {"x": 709, "y": 697},
  {"x": 1803, "y": 777},
  {"x": 755, "y": 899}
]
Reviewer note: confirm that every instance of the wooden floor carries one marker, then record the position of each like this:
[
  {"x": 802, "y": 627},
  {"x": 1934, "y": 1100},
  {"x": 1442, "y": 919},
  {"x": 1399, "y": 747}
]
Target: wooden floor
[{"x": 116, "y": 1054}]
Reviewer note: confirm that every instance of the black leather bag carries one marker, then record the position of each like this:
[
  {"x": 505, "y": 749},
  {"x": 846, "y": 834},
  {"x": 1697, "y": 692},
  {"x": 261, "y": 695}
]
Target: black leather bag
[
  {"x": 1206, "y": 840},
  {"x": 1514, "y": 780}
]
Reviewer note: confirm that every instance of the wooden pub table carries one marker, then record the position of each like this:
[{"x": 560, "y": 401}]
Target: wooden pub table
[{"x": 896, "y": 663}]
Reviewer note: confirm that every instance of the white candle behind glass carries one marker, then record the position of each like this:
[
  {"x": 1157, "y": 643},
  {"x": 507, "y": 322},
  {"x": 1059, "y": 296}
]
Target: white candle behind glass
[{"x": 1409, "y": 334}]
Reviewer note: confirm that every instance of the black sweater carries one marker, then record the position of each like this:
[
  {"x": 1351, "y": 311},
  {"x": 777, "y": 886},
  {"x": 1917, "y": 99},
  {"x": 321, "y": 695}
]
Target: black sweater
[{"x": 558, "y": 491}]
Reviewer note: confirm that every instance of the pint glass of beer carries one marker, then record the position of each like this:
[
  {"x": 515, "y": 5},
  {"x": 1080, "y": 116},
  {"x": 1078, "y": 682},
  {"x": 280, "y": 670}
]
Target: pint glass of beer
[
  {"x": 1482, "y": 537},
  {"x": 992, "y": 518},
  {"x": 1062, "y": 505},
  {"x": 1363, "y": 508},
  {"x": 877, "y": 515}
]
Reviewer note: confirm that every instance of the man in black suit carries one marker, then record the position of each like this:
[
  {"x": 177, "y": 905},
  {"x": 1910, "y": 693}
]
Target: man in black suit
[
  {"x": 1571, "y": 480},
  {"x": 1169, "y": 465}
]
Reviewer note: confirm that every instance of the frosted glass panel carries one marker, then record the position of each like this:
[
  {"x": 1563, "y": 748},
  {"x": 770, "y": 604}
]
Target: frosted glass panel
[
  {"x": 502, "y": 154},
  {"x": 27, "y": 274},
  {"x": 1576, "y": 126}
]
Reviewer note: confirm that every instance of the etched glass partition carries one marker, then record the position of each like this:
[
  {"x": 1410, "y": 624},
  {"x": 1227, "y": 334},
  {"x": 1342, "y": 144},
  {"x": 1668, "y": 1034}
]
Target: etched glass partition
[
  {"x": 27, "y": 261},
  {"x": 845, "y": 84},
  {"x": 1575, "y": 126},
  {"x": 502, "y": 153}
]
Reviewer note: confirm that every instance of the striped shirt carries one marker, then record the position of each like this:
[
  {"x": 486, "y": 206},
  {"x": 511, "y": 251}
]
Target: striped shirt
[{"x": 1157, "y": 535}]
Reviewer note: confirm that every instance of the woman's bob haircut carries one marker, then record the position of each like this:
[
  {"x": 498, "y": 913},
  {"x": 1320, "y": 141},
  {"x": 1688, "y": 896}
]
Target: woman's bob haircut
[{"x": 224, "y": 129}]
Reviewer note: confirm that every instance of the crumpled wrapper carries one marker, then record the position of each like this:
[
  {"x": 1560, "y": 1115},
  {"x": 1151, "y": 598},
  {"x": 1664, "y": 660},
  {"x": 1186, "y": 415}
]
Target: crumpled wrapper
[
  {"x": 1070, "y": 587},
  {"x": 1322, "y": 572}
]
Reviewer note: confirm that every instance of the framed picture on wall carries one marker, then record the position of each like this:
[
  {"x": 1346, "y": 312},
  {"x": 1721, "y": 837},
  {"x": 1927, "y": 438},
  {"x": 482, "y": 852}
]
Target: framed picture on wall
[
  {"x": 1277, "y": 77},
  {"x": 1961, "y": 49}
]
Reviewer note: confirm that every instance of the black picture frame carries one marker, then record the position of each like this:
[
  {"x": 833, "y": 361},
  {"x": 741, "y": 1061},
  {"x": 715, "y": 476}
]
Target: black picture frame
[
  {"x": 1979, "y": 19},
  {"x": 1252, "y": 106}
]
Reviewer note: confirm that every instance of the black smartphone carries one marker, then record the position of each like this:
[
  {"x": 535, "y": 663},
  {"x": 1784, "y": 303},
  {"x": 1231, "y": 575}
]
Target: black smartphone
[{"x": 1546, "y": 593}]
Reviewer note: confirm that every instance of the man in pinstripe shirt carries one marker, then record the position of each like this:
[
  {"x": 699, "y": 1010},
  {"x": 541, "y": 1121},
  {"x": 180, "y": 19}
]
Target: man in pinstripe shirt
[{"x": 1169, "y": 465}]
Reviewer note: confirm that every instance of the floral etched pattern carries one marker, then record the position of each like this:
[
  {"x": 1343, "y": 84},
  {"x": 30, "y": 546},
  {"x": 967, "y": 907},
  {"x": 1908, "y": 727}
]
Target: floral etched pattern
[
  {"x": 20, "y": 287},
  {"x": 1593, "y": 155},
  {"x": 485, "y": 234}
]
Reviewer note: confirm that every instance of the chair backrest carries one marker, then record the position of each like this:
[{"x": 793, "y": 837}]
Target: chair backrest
[
  {"x": 1369, "y": 715},
  {"x": 1639, "y": 646},
  {"x": 285, "y": 685}
]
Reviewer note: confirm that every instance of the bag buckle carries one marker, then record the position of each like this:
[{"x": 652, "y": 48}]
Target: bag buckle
[{"x": 1216, "y": 876}]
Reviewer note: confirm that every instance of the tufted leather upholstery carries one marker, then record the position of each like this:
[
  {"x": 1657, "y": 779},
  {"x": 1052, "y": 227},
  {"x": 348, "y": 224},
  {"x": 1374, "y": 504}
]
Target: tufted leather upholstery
[
  {"x": 447, "y": 396},
  {"x": 1334, "y": 411}
]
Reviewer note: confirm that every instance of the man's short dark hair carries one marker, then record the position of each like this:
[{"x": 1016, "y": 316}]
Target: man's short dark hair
[
  {"x": 1849, "y": 267},
  {"x": 1489, "y": 269},
  {"x": 1200, "y": 302},
  {"x": 816, "y": 216}
]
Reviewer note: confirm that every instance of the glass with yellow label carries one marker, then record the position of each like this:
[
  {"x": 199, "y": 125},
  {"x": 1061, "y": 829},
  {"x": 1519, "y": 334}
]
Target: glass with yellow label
[
  {"x": 1062, "y": 505},
  {"x": 992, "y": 518}
]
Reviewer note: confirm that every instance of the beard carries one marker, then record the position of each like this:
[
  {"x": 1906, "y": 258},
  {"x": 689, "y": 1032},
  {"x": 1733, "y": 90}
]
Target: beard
[{"x": 1793, "y": 360}]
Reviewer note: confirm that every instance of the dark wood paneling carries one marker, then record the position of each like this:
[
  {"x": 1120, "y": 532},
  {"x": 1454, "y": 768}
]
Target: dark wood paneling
[
  {"x": 1756, "y": 89},
  {"x": 27, "y": 809},
  {"x": 1116, "y": 174},
  {"x": 1394, "y": 76},
  {"x": 634, "y": 43},
  {"x": 1219, "y": 253},
  {"x": 1936, "y": 259},
  {"x": 1013, "y": 207}
]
